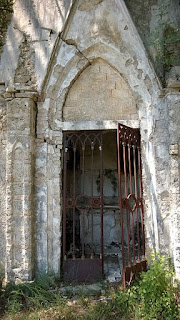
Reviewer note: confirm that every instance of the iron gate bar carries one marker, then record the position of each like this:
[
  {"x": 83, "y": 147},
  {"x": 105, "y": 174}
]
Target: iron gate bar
[
  {"x": 83, "y": 226},
  {"x": 75, "y": 202},
  {"x": 92, "y": 220},
  {"x": 74, "y": 217},
  {"x": 120, "y": 206},
  {"x": 125, "y": 192},
  {"x": 83, "y": 211},
  {"x": 128, "y": 139},
  {"x": 137, "y": 214},
  {"x": 64, "y": 203},
  {"x": 132, "y": 217},
  {"x": 141, "y": 197},
  {"x": 101, "y": 196}
]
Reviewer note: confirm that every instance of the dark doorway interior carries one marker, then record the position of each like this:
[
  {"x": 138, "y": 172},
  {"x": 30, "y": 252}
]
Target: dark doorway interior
[{"x": 92, "y": 234}]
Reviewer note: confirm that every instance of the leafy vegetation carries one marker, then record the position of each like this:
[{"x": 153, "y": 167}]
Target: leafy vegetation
[
  {"x": 28, "y": 296},
  {"x": 167, "y": 46},
  {"x": 152, "y": 297},
  {"x": 165, "y": 39},
  {"x": 6, "y": 10}
]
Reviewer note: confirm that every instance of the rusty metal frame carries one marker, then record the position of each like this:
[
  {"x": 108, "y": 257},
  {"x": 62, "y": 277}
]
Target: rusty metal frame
[
  {"x": 129, "y": 169},
  {"x": 129, "y": 162},
  {"x": 83, "y": 268}
]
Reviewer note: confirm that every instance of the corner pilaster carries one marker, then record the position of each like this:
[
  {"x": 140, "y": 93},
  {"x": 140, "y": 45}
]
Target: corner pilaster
[{"x": 21, "y": 115}]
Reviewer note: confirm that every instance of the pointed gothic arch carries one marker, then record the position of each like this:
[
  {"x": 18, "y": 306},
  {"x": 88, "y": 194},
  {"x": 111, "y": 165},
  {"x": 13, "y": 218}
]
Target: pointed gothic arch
[{"x": 73, "y": 56}]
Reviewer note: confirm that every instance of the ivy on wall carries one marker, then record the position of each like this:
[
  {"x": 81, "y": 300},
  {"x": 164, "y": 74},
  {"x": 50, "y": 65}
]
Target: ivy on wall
[
  {"x": 158, "y": 23},
  {"x": 6, "y": 10},
  {"x": 165, "y": 39}
]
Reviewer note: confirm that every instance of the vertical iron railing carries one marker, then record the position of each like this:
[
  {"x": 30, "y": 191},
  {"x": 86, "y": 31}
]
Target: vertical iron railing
[
  {"x": 130, "y": 203},
  {"x": 64, "y": 202},
  {"x": 101, "y": 199},
  {"x": 80, "y": 201}
]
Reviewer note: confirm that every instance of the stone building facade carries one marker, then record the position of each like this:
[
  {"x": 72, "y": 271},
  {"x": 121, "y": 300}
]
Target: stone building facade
[{"x": 80, "y": 65}]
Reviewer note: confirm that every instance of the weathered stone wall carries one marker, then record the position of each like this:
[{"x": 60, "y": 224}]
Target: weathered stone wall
[
  {"x": 89, "y": 62},
  {"x": 19, "y": 187},
  {"x": 31, "y": 37},
  {"x": 39, "y": 22},
  {"x": 3, "y": 144},
  {"x": 25, "y": 71},
  {"x": 47, "y": 19},
  {"x": 42, "y": 21},
  {"x": 88, "y": 65},
  {"x": 162, "y": 217},
  {"x": 99, "y": 93},
  {"x": 73, "y": 89},
  {"x": 48, "y": 206},
  {"x": 173, "y": 103}
]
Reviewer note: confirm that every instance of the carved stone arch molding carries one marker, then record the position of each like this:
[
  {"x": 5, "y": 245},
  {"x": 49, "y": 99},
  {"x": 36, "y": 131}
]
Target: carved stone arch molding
[
  {"x": 138, "y": 75},
  {"x": 99, "y": 93}
]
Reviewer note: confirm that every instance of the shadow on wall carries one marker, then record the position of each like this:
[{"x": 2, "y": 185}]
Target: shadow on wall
[
  {"x": 32, "y": 21},
  {"x": 156, "y": 228}
]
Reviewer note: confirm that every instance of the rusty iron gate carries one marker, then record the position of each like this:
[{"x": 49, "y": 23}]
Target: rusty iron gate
[
  {"x": 130, "y": 203},
  {"x": 80, "y": 200}
]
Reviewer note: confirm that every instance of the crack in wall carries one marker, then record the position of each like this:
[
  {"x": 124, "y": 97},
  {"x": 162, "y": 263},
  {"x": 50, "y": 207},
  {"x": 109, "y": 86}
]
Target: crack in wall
[{"x": 72, "y": 42}]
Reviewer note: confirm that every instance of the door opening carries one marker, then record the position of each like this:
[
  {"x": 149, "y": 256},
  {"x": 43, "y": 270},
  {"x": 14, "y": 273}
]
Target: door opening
[{"x": 101, "y": 224}]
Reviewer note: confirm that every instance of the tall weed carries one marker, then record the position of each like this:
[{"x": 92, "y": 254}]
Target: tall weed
[
  {"x": 153, "y": 297},
  {"x": 33, "y": 295}
]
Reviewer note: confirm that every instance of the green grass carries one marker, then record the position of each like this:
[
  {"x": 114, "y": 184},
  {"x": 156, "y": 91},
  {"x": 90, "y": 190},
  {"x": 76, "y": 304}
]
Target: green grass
[{"x": 152, "y": 297}]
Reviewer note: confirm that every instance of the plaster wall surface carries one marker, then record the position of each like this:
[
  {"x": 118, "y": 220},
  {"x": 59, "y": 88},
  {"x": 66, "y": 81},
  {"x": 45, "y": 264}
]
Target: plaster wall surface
[
  {"x": 39, "y": 24},
  {"x": 99, "y": 93}
]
